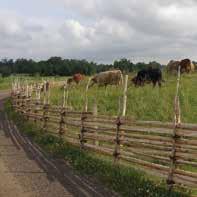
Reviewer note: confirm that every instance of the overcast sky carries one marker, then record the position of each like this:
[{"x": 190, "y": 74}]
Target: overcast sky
[{"x": 99, "y": 30}]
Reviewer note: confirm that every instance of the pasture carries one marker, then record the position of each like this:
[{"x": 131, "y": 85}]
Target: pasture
[{"x": 144, "y": 103}]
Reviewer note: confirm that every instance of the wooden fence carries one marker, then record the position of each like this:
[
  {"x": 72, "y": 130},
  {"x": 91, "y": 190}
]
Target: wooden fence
[{"x": 167, "y": 150}]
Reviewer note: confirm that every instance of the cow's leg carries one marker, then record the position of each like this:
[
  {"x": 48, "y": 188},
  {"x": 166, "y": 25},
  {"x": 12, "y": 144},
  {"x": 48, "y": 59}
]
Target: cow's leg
[
  {"x": 142, "y": 83},
  {"x": 154, "y": 83},
  {"x": 159, "y": 83},
  {"x": 105, "y": 90}
]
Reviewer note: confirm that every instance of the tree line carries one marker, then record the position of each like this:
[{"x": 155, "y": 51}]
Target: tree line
[{"x": 56, "y": 66}]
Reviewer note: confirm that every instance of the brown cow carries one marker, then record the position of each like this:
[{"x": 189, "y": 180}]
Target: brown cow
[
  {"x": 78, "y": 77},
  {"x": 185, "y": 66},
  {"x": 112, "y": 77},
  {"x": 172, "y": 66},
  {"x": 75, "y": 78}
]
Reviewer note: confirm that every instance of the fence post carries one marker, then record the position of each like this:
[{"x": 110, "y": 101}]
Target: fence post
[
  {"x": 125, "y": 96},
  {"x": 36, "y": 102},
  {"x": 82, "y": 131},
  {"x": 45, "y": 116},
  {"x": 86, "y": 95},
  {"x": 63, "y": 114},
  {"x": 95, "y": 113},
  {"x": 62, "y": 122},
  {"x": 116, "y": 153},
  {"x": 48, "y": 92},
  {"x": 27, "y": 102},
  {"x": 45, "y": 109},
  {"x": 119, "y": 121},
  {"x": 65, "y": 94},
  {"x": 44, "y": 95},
  {"x": 175, "y": 137}
]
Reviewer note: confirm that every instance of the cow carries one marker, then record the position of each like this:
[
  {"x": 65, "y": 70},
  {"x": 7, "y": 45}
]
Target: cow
[
  {"x": 75, "y": 78},
  {"x": 172, "y": 66},
  {"x": 186, "y": 66},
  {"x": 148, "y": 75},
  {"x": 111, "y": 77}
]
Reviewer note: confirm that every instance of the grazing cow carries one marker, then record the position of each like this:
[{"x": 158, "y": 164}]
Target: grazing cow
[
  {"x": 172, "y": 66},
  {"x": 148, "y": 75},
  {"x": 112, "y": 77},
  {"x": 185, "y": 66},
  {"x": 75, "y": 78}
]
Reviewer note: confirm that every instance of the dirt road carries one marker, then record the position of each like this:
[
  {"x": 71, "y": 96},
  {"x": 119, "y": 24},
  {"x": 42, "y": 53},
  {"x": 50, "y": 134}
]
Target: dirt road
[{"x": 25, "y": 171}]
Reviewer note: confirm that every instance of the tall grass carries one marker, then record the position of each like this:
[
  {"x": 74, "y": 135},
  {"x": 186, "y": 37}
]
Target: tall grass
[{"x": 144, "y": 103}]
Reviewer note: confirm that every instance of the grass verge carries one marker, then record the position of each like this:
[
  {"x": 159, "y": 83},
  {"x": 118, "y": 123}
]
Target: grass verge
[{"x": 124, "y": 180}]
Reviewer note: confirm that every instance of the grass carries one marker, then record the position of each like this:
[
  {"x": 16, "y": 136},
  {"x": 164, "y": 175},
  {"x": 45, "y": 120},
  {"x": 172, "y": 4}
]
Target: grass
[
  {"x": 5, "y": 83},
  {"x": 122, "y": 179},
  {"x": 144, "y": 103}
]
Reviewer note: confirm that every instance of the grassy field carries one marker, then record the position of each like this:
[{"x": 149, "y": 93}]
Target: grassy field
[{"x": 144, "y": 103}]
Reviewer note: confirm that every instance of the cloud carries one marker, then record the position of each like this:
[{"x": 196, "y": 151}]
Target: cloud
[{"x": 104, "y": 30}]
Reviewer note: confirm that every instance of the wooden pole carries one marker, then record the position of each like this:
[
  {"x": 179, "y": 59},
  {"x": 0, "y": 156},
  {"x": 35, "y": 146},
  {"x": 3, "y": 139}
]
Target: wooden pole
[
  {"x": 86, "y": 95},
  {"x": 37, "y": 90},
  {"x": 117, "y": 139},
  {"x": 48, "y": 94},
  {"x": 82, "y": 131},
  {"x": 62, "y": 122},
  {"x": 175, "y": 137},
  {"x": 39, "y": 93},
  {"x": 95, "y": 113},
  {"x": 65, "y": 87},
  {"x": 44, "y": 87},
  {"x": 125, "y": 96}
]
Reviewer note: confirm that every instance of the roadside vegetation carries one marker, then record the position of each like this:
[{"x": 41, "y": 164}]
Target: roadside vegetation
[
  {"x": 5, "y": 83},
  {"x": 123, "y": 179}
]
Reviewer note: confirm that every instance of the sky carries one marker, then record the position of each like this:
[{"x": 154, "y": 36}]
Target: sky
[{"x": 99, "y": 30}]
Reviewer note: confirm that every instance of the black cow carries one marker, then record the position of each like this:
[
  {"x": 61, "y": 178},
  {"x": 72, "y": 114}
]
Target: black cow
[{"x": 148, "y": 75}]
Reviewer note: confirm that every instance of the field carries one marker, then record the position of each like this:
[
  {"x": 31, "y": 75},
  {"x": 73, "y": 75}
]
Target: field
[{"x": 144, "y": 103}]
